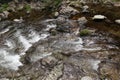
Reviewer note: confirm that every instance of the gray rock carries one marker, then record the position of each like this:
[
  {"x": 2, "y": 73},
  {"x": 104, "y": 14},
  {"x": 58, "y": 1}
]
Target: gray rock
[
  {"x": 117, "y": 21},
  {"x": 117, "y": 4},
  {"x": 67, "y": 10},
  {"x": 82, "y": 20},
  {"x": 85, "y": 9},
  {"x": 75, "y": 3},
  {"x": 56, "y": 14},
  {"x": 6, "y": 13},
  {"x": 55, "y": 73},
  {"x": 99, "y": 17}
]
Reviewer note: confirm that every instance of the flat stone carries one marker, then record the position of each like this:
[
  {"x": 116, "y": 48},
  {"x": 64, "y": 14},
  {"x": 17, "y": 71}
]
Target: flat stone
[
  {"x": 98, "y": 17},
  {"x": 117, "y": 21}
]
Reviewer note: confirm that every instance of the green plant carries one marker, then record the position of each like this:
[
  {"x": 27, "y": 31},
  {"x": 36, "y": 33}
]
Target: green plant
[
  {"x": 27, "y": 7},
  {"x": 3, "y": 7},
  {"x": 85, "y": 32}
]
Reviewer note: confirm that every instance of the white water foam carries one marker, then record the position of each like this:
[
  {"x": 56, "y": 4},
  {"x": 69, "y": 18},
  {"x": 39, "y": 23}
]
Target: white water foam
[
  {"x": 94, "y": 64},
  {"x": 38, "y": 57},
  {"x": 27, "y": 43},
  {"x": 78, "y": 44},
  {"x": 9, "y": 61},
  {"x": 50, "y": 26},
  {"x": 4, "y": 31},
  {"x": 10, "y": 44},
  {"x": 12, "y": 61},
  {"x": 92, "y": 49},
  {"x": 48, "y": 20}
]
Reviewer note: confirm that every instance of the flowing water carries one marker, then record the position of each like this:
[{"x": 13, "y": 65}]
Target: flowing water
[{"x": 34, "y": 42}]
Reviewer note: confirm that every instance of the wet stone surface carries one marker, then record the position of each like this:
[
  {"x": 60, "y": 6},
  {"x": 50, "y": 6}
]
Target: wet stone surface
[{"x": 52, "y": 49}]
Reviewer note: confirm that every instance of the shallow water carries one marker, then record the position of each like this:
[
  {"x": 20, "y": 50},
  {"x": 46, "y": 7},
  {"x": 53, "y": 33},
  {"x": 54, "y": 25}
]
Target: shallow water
[{"x": 32, "y": 47}]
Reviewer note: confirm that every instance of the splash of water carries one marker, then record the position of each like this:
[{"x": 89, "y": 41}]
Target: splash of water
[
  {"x": 8, "y": 60},
  {"x": 94, "y": 64}
]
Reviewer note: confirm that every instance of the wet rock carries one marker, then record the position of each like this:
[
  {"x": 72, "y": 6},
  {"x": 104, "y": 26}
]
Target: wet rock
[
  {"x": 85, "y": 9},
  {"x": 53, "y": 32},
  {"x": 75, "y": 3},
  {"x": 6, "y": 13},
  {"x": 18, "y": 20},
  {"x": 83, "y": 1},
  {"x": 117, "y": 4},
  {"x": 71, "y": 72},
  {"x": 109, "y": 3},
  {"x": 56, "y": 14},
  {"x": 55, "y": 74},
  {"x": 86, "y": 78},
  {"x": 69, "y": 26},
  {"x": 61, "y": 18},
  {"x": 82, "y": 20},
  {"x": 109, "y": 70},
  {"x": 49, "y": 61},
  {"x": 21, "y": 6},
  {"x": 12, "y": 6},
  {"x": 63, "y": 29},
  {"x": 99, "y": 17},
  {"x": 68, "y": 11},
  {"x": 78, "y": 66},
  {"x": 117, "y": 21}
]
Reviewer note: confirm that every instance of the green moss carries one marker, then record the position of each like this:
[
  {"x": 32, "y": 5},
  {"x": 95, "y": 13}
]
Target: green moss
[
  {"x": 85, "y": 32},
  {"x": 27, "y": 7},
  {"x": 3, "y": 7}
]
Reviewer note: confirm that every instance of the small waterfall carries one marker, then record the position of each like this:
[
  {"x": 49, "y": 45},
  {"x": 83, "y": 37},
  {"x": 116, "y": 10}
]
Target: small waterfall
[
  {"x": 8, "y": 57},
  {"x": 23, "y": 40}
]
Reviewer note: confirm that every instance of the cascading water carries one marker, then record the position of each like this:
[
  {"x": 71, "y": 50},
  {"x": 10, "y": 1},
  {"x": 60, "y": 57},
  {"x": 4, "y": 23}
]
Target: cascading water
[
  {"x": 39, "y": 44},
  {"x": 9, "y": 58}
]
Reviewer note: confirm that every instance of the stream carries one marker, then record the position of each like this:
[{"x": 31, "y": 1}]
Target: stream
[
  {"x": 52, "y": 49},
  {"x": 23, "y": 46}
]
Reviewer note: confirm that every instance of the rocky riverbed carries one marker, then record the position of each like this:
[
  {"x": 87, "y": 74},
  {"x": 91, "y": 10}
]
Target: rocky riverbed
[{"x": 72, "y": 43}]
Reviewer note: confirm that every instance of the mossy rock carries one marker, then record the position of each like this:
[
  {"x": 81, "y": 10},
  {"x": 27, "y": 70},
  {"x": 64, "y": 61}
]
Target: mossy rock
[{"x": 85, "y": 32}]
